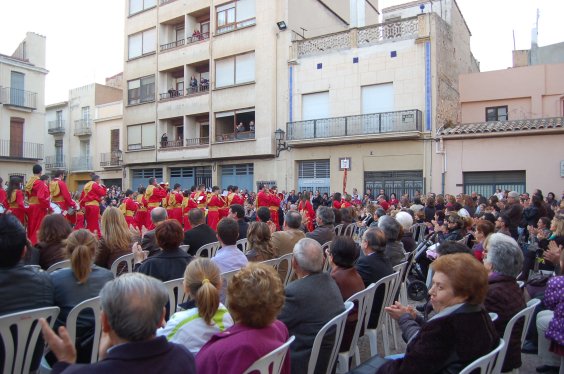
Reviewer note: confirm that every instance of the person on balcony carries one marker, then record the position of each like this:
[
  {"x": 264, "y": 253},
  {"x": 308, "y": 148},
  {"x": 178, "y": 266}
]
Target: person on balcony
[
  {"x": 252, "y": 126},
  {"x": 164, "y": 140}
]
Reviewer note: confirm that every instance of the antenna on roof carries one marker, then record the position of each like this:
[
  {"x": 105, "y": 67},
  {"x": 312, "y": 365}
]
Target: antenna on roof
[{"x": 514, "y": 47}]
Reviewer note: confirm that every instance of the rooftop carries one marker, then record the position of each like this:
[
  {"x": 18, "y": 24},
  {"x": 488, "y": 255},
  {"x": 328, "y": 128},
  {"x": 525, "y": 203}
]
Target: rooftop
[{"x": 514, "y": 126}]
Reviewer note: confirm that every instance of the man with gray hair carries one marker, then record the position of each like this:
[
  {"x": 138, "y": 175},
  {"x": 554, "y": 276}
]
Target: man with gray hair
[
  {"x": 149, "y": 243},
  {"x": 133, "y": 307},
  {"x": 324, "y": 232},
  {"x": 311, "y": 301},
  {"x": 283, "y": 242},
  {"x": 503, "y": 259}
]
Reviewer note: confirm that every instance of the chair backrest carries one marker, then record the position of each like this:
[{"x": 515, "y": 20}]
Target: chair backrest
[
  {"x": 128, "y": 259},
  {"x": 185, "y": 247},
  {"x": 339, "y": 229},
  {"x": 274, "y": 359},
  {"x": 418, "y": 232},
  {"x": 19, "y": 333},
  {"x": 337, "y": 324},
  {"x": 525, "y": 314},
  {"x": 349, "y": 230},
  {"x": 326, "y": 264},
  {"x": 486, "y": 364},
  {"x": 176, "y": 295},
  {"x": 389, "y": 284},
  {"x": 402, "y": 268},
  {"x": 225, "y": 279},
  {"x": 286, "y": 271},
  {"x": 364, "y": 299},
  {"x": 59, "y": 265},
  {"x": 493, "y": 316},
  {"x": 464, "y": 240},
  {"x": 410, "y": 258},
  {"x": 208, "y": 250},
  {"x": 96, "y": 307},
  {"x": 243, "y": 244}
]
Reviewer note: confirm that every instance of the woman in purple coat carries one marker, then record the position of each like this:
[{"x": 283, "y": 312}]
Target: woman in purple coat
[{"x": 256, "y": 296}]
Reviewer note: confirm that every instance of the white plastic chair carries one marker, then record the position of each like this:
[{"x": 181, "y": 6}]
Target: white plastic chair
[
  {"x": 521, "y": 284},
  {"x": 418, "y": 231},
  {"x": 59, "y": 265},
  {"x": 486, "y": 364},
  {"x": 326, "y": 263},
  {"x": 226, "y": 278},
  {"x": 95, "y": 306},
  {"x": 210, "y": 249},
  {"x": 525, "y": 314},
  {"x": 274, "y": 359},
  {"x": 243, "y": 244},
  {"x": 176, "y": 294},
  {"x": 185, "y": 247},
  {"x": 389, "y": 283},
  {"x": 401, "y": 268},
  {"x": 339, "y": 229},
  {"x": 493, "y": 316},
  {"x": 410, "y": 258},
  {"x": 17, "y": 359},
  {"x": 364, "y": 300},
  {"x": 349, "y": 230},
  {"x": 338, "y": 325},
  {"x": 128, "y": 259}
]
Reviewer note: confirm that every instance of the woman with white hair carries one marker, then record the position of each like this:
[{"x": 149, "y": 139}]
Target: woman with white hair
[
  {"x": 406, "y": 221},
  {"x": 503, "y": 259}
]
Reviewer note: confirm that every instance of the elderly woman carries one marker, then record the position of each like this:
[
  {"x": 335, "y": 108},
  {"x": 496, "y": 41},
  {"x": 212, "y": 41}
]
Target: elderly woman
[
  {"x": 406, "y": 221},
  {"x": 342, "y": 255},
  {"x": 459, "y": 333},
  {"x": 256, "y": 296},
  {"x": 394, "y": 248},
  {"x": 171, "y": 262},
  {"x": 503, "y": 259}
]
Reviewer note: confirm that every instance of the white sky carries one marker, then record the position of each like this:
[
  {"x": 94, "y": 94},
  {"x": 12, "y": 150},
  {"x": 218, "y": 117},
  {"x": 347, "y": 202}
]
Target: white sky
[{"x": 85, "y": 38}]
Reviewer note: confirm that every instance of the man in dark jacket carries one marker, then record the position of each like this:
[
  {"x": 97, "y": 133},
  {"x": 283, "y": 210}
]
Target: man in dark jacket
[
  {"x": 514, "y": 211},
  {"x": 324, "y": 232},
  {"x": 237, "y": 212},
  {"x": 306, "y": 309},
  {"x": 132, "y": 310},
  {"x": 200, "y": 234}
]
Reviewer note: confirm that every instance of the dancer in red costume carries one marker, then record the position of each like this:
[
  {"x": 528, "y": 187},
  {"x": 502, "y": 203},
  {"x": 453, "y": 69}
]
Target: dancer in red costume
[
  {"x": 141, "y": 214},
  {"x": 274, "y": 207},
  {"x": 128, "y": 207},
  {"x": 188, "y": 204},
  {"x": 215, "y": 202},
  {"x": 175, "y": 203},
  {"x": 14, "y": 201},
  {"x": 90, "y": 200},
  {"x": 154, "y": 195},
  {"x": 306, "y": 210},
  {"x": 38, "y": 199},
  {"x": 60, "y": 195}
]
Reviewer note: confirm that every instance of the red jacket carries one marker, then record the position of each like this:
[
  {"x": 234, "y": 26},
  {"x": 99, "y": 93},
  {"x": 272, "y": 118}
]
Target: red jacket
[
  {"x": 37, "y": 192},
  {"x": 92, "y": 194},
  {"x": 60, "y": 193}
]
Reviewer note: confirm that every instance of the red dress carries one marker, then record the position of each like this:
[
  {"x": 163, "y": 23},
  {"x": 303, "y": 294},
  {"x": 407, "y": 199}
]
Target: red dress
[
  {"x": 16, "y": 205},
  {"x": 90, "y": 199},
  {"x": 38, "y": 199},
  {"x": 310, "y": 213},
  {"x": 274, "y": 207},
  {"x": 141, "y": 214},
  {"x": 215, "y": 203}
]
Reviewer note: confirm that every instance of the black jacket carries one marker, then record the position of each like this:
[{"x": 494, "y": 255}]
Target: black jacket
[
  {"x": 199, "y": 236},
  {"x": 166, "y": 265}
]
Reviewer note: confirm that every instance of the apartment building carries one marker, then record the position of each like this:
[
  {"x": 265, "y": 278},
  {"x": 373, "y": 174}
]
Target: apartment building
[
  {"x": 207, "y": 85},
  {"x": 369, "y": 100},
  {"x": 84, "y": 135},
  {"x": 22, "y": 109}
]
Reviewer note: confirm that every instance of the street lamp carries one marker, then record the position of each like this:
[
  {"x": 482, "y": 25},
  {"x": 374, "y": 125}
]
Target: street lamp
[{"x": 281, "y": 145}]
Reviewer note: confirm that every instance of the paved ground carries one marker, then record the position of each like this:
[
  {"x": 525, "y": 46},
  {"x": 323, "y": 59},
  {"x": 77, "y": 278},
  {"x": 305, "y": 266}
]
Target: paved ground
[{"x": 530, "y": 362}]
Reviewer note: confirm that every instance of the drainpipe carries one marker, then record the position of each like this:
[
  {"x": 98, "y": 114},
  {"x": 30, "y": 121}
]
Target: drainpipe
[{"x": 441, "y": 150}]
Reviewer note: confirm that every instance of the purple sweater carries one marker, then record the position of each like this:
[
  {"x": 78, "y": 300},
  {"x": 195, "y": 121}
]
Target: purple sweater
[
  {"x": 554, "y": 300},
  {"x": 237, "y": 348}
]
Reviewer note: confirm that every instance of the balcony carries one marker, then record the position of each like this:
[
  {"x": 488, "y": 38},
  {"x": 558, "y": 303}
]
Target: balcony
[
  {"x": 236, "y": 26},
  {"x": 56, "y": 127},
  {"x": 187, "y": 149},
  {"x": 83, "y": 127},
  {"x": 20, "y": 150},
  {"x": 18, "y": 98},
  {"x": 235, "y": 136},
  {"x": 55, "y": 163},
  {"x": 198, "y": 37},
  {"x": 81, "y": 164},
  {"x": 406, "y": 123},
  {"x": 197, "y": 142},
  {"x": 407, "y": 28},
  {"x": 171, "y": 45},
  {"x": 190, "y": 91},
  {"x": 111, "y": 159}
]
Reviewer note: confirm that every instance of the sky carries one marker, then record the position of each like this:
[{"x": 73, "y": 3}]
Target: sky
[{"x": 85, "y": 39}]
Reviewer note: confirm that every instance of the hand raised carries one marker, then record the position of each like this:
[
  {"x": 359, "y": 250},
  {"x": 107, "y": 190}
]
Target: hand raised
[{"x": 62, "y": 345}]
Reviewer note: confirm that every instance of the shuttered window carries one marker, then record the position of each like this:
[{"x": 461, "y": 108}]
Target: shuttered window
[{"x": 314, "y": 169}]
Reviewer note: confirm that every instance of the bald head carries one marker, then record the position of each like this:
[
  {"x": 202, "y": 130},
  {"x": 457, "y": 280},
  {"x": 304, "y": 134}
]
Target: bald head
[
  {"x": 158, "y": 214},
  {"x": 309, "y": 255}
]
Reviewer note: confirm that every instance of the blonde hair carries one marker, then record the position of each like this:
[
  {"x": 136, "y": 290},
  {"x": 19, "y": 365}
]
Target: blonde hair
[
  {"x": 80, "y": 249},
  {"x": 558, "y": 222},
  {"x": 202, "y": 280},
  {"x": 115, "y": 231},
  {"x": 258, "y": 236}
]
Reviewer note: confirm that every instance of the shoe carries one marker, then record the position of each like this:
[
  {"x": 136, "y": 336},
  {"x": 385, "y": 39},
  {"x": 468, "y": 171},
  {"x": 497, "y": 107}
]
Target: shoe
[
  {"x": 530, "y": 347},
  {"x": 548, "y": 369}
]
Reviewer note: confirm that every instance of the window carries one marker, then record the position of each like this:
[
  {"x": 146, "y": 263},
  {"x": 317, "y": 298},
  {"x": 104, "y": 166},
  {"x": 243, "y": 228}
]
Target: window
[
  {"x": 141, "y": 136},
  {"x": 378, "y": 98},
  {"x": 85, "y": 114},
  {"x": 235, "y": 70},
  {"x": 59, "y": 118},
  {"x": 486, "y": 182},
  {"x": 136, "y": 6},
  {"x": 314, "y": 175},
  {"x": 142, "y": 43},
  {"x": 235, "y": 125},
  {"x": 141, "y": 90},
  {"x": 497, "y": 113},
  {"x": 235, "y": 15},
  {"x": 59, "y": 156},
  {"x": 397, "y": 181}
]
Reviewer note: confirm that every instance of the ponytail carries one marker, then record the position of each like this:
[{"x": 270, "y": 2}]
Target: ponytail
[
  {"x": 202, "y": 280},
  {"x": 80, "y": 248}
]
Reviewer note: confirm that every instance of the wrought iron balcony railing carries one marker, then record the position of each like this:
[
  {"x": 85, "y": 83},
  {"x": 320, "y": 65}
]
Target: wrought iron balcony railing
[
  {"x": 56, "y": 127},
  {"x": 55, "y": 163},
  {"x": 82, "y": 127},
  {"x": 171, "y": 94},
  {"x": 81, "y": 164},
  {"x": 18, "y": 98},
  {"x": 195, "y": 142},
  {"x": 20, "y": 150},
  {"x": 365, "y": 124},
  {"x": 111, "y": 159}
]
